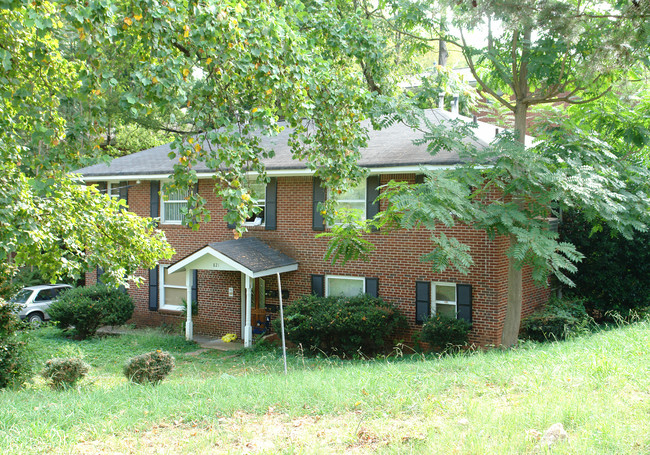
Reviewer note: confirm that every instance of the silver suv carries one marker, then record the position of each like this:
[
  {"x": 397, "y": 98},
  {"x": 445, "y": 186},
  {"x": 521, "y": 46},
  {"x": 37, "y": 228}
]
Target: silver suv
[{"x": 35, "y": 301}]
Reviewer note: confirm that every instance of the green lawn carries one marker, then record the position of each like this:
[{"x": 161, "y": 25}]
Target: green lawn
[{"x": 598, "y": 387}]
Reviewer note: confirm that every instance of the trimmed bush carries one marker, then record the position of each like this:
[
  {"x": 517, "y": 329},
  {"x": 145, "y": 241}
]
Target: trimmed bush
[
  {"x": 443, "y": 333},
  {"x": 88, "y": 308},
  {"x": 344, "y": 326},
  {"x": 15, "y": 367},
  {"x": 64, "y": 372},
  {"x": 558, "y": 319},
  {"x": 151, "y": 367}
]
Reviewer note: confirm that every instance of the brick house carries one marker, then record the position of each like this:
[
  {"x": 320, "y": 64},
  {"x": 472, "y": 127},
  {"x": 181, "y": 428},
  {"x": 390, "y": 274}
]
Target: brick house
[{"x": 236, "y": 282}]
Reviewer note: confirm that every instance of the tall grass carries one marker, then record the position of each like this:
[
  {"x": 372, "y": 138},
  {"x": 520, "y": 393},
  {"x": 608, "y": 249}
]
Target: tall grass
[{"x": 597, "y": 386}]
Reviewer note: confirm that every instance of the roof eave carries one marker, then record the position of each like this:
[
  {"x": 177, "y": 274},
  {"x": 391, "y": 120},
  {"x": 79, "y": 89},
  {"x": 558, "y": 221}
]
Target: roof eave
[{"x": 374, "y": 170}]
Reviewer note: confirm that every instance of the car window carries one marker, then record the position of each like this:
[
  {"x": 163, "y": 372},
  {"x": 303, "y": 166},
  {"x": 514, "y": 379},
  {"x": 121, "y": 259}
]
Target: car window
[
  {"x": 57, "y": 291},
  {"x": 22, "y": 296},
  {"x": 43, "y": 296}
]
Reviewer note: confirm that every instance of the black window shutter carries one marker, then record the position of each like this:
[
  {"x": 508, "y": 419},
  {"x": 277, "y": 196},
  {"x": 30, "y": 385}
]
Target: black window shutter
[
  {"x": 100, "y": 272},
  {"x": 372, "y": 287},
  {"x": 419, "y": 179},
  {"x": 318, "y": 223},
  {"x": 154, "y": 203},
  {"x": 195, "y": 190},
  {"x": 422, "y": 301},
  {"x": 153, "y": 289},
  {"x": 464, "y": 302},
  {"x": 124, "y": 191},
  {"x": 372, "y": 193},
  {"x": 195, "y": 286},
  {"x": 318, "y": 285},
  {"x": 231, "y": 225},
  {"x": 270, "y": 211}
]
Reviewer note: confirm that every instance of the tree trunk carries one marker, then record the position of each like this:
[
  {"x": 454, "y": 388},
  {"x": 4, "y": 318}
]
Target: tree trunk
[
  {"x": 442, "y": 53},
  {"x": 512, "y": 322}
]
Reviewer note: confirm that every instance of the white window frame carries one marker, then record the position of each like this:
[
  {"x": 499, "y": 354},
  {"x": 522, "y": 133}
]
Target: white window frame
[
  {"x": 163, "y": 202},
  {"x": 113, "y": 189},
  {"x": 342, "y": 201},
  {"x": 341, "y": 277},
  {"x": 258, "y": 203},
  {"x": 435, "y": 302},
  {"x": 161, "y": 290}
]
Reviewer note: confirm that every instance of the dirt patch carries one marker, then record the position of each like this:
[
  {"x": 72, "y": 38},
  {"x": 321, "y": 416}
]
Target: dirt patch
[{"x": 269, "y": 433}]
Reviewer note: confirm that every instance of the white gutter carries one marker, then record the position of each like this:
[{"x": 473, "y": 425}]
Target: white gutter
[{"x": 415, "y": 169}]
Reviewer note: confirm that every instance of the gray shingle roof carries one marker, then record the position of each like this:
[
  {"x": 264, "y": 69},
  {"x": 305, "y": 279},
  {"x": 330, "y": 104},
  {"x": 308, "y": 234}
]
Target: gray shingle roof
[
  {"x": 249, "y": 255},
  {"x": 253, "y": 254},
  {"x": 390, "y": 147}
]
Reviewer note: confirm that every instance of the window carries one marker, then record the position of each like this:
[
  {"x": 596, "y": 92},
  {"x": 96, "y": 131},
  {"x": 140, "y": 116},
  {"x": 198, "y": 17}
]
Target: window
[
  {"x": 172, "y": 289},
  {"x": 171, "y": 208},
  {"x": 344, "y": 286},
  {"x": 113, "y": 190},
  {"x": 258, "y": 196},
  {"x": 116, "y": 190},
  {"x": 362, "y": 198},
  {"x": 450, "y": 299},
  {"x": 43, "y": 296},
  {"x": 443, "y": 296},
  {"x": 354, "y": 199}
]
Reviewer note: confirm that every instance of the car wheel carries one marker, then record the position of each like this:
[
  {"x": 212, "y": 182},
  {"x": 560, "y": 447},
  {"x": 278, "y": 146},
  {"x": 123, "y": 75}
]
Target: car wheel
[{"x": 35, "y": 319}]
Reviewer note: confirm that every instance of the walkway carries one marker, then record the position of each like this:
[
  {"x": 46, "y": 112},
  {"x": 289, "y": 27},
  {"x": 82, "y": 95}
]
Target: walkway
[{"x": 206, "y": 342}]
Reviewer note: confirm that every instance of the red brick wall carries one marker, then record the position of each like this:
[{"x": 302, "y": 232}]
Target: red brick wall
[{"x": 396, "y": 263}]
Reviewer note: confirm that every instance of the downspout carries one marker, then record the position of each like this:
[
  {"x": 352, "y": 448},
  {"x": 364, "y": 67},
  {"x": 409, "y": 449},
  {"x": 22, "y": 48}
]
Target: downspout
[
  {"x": 248, "y": 329},
  {"x": 189, "y": 327}
]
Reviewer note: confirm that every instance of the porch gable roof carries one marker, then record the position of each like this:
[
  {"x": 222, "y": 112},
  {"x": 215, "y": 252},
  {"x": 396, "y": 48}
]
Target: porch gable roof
[{"x": 249, "y": 256}]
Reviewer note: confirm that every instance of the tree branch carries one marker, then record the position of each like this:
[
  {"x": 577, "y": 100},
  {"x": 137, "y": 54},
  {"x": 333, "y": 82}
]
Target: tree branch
[
  {"x": 182, "y": 48},
  {"x": 479, "y": 81},
  {"x": 567, "y": 98},
  {"x": 513, "y": 56}
]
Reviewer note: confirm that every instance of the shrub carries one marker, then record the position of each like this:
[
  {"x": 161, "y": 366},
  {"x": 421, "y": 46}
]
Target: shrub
[
  {"x": 444, "y": 333},
  {"x": 15, "y": 366},
  {"x": 89, "y": 308},
  {"x": 151, "y": 367},
  {"x": 64, "y": 372},
  {"x": 615, "y": 273},
  {"x": 344, "y": 326},
  {"x": 559, "y": 318}
]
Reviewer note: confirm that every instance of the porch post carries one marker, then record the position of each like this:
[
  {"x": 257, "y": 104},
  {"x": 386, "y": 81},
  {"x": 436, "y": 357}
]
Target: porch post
[
  {"x": 284, "y": 345},
  {"x": 248, "y": 329},
  {"x": 189, "y": 327}
]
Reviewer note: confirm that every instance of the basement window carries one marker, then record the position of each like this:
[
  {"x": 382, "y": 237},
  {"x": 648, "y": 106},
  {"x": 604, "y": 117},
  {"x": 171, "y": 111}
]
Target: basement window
[
  {"x": 443, "y": 297},
  {"x": 172, "y": 288},
  {"x": 344, "y": 286}
]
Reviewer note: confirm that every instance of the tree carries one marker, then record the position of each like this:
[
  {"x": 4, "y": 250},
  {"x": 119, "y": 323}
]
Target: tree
[
  {"x": 536, "y": 53},
  {"x": 235, "y": 69},
  {"x": 47, "y": 218},
  {"x": 549, "y": 52},
  {"x": 217, "y": 73}
]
